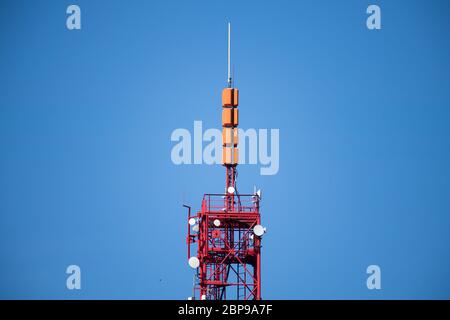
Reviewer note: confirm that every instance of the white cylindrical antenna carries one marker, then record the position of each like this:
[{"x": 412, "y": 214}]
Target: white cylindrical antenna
[{"x": 229, "y": 55}]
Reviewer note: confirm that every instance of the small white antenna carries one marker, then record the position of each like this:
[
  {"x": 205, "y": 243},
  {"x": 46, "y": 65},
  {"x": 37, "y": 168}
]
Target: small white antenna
[{"x": 229, "y": 55}]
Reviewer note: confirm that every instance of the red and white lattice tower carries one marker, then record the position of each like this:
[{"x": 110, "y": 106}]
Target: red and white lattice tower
[{"x": 224, "y": 237}]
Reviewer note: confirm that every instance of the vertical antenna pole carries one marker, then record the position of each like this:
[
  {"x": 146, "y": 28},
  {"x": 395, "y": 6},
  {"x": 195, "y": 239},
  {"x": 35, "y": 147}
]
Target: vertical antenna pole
[{"x": 229, "y": 55}]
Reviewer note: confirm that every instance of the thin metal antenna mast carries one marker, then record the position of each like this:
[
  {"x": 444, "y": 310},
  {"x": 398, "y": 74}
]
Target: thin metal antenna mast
[{"x": 229, "y": 55}]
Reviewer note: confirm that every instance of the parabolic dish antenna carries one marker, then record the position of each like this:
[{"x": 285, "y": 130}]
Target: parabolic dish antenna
[
  {"x": 258, "y": 230},
  {"x": 194, "y": 263}
]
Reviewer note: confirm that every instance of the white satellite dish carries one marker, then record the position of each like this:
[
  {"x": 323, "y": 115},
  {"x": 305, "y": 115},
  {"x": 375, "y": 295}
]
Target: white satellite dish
[
  {"x": 192, "y": 221},
  {"x": 216, "y": 222},
  {"x": 194, "y": 263},
  {"x": 231, "y": 190},
  {"x": 258, "y": 230},
  {"x": 195, "y": 228},
  {"x": 259, "y": 193}
]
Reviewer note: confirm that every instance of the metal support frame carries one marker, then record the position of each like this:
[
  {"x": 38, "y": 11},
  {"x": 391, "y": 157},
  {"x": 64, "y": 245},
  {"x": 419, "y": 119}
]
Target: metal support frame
[{"x": 229, "y": 255}]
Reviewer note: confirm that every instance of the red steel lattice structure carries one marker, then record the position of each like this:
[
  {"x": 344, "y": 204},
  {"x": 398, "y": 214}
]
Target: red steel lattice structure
[{"x": 228, "y": 254}]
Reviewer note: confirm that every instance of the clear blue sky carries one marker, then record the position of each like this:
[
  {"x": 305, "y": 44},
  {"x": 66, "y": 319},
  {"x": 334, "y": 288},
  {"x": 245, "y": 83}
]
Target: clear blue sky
[{"x": 86, "y": 116}]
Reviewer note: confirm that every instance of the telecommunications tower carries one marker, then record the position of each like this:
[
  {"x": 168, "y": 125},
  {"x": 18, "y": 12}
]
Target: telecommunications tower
[{"x": 224, "y": 236}]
